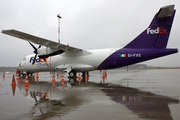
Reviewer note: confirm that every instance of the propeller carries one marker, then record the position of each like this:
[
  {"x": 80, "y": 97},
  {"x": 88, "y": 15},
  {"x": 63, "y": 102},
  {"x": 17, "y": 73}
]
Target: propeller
[{"x": 35, "y": 51}]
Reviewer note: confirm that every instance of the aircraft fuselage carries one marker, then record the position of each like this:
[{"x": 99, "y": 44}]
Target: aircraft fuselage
[
  {"x": 99, "y": 59},
  {"x": 78, "y": 63}
]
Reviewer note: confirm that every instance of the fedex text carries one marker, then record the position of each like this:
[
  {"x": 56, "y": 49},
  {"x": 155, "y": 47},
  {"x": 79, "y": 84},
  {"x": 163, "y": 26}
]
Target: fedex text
[
  {"x": 156, "y": 31},
  {"x": 37, "y": 60}
]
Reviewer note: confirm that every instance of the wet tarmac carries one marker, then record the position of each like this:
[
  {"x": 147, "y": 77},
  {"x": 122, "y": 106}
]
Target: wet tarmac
[{"x": 132, "y": 95}]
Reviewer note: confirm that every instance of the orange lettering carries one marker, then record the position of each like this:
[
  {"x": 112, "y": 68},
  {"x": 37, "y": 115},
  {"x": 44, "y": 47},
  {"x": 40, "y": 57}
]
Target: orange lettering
[{"x": 42, "y": 60}]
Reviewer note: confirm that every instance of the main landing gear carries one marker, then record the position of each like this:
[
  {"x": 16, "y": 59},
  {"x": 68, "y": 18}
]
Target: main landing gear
[
  {"x": 73, "y": 78},
  {"x": 72, "y": 74}
]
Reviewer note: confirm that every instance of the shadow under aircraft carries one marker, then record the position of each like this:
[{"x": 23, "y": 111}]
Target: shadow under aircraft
[{"x": 56, "y": 102}]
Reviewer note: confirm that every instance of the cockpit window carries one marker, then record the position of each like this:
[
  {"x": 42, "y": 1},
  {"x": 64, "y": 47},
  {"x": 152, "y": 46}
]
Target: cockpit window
[{"x": 24, "y": 59}]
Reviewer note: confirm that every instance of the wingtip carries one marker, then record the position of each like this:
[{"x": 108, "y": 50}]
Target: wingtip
[{"x": 3, "y": 31}]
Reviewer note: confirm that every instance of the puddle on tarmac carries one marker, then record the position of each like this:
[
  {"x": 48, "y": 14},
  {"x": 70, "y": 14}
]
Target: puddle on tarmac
[{"x": 120, "y": 95}]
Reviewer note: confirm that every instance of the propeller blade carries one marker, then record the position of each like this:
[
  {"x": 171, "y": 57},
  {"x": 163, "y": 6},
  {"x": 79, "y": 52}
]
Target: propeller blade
[
  {"x": 39, "y": 46},
  {"x": 44, "y": 59},
  {"x": 35, "y": 49},
  {"x": 34, "y": 59}
]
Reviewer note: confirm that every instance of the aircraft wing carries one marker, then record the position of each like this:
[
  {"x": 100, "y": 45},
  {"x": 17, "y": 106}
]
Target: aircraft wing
[{"x": 44, "y": 42}]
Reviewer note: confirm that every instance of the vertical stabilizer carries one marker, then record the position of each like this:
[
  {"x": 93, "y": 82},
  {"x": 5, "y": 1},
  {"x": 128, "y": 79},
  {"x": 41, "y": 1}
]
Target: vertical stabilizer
[{"x": 157, "y": 34}]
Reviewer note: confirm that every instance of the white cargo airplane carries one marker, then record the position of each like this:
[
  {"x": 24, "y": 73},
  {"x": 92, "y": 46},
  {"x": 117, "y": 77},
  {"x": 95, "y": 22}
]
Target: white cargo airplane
[{"x": 150, "y": 44}]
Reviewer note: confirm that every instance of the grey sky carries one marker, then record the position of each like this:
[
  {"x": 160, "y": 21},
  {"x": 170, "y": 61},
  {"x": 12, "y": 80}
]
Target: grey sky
[{"x": 85, "y": 24}]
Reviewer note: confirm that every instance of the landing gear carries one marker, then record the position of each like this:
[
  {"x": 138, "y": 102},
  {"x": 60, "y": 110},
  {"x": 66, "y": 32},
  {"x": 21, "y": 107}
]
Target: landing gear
[
  {"x": 72, "y": 74},
  {"x": 73, "y": 79},
  {"x": 22, "y": 74},
  {"x": 29, "y": 73}
]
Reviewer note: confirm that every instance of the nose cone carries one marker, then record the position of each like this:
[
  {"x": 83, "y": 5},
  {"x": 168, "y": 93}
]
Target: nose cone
[{"x": 19, "y": 65}]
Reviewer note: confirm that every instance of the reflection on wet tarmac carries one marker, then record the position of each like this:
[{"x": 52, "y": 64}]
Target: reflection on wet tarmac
[
  {"x": 57, "y": 98},
  {"x": 52, "y": 99},
  {"x": 146, "y": 105}
]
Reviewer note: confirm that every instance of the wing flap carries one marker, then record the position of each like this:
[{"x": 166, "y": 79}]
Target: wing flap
[{"x": 44, "y": 42}]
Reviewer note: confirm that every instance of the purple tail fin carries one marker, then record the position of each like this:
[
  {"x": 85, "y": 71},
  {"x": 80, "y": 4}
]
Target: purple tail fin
[{"x": 157, "y": 34}]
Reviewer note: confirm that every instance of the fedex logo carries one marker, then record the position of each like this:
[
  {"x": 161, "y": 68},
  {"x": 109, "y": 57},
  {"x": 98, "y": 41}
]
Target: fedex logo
[
  {"x": 37, "y": 60},
  {"x": 156, "y": 31}
]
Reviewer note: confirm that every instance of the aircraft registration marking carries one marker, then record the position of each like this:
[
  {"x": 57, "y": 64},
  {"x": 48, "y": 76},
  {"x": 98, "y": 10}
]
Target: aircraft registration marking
[{"x": 130, "y": 55}]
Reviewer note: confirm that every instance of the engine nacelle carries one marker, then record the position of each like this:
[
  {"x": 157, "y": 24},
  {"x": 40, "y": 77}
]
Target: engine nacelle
[{"x": 44, "y": 50}]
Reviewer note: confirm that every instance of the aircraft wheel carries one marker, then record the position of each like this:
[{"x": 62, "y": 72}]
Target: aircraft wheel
[{"x": 72, "y": 73}]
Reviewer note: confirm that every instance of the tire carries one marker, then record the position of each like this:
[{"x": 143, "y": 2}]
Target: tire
[{"x": 72, "y": 73}]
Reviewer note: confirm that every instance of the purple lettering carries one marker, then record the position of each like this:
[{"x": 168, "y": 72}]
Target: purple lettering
[
  {"x": 37, "y": 60},
  {"x": 31, "y": 59}
]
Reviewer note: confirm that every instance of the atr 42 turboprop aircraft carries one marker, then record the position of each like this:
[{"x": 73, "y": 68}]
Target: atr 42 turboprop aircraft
[{"x": 150, "y": 44}]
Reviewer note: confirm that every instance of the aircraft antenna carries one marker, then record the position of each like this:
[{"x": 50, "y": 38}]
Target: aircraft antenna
[{"x": 59, "y": 17}]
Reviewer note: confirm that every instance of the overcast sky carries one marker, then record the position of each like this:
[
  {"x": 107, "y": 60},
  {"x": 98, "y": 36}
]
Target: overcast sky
[{"x": 86, "y": 24}]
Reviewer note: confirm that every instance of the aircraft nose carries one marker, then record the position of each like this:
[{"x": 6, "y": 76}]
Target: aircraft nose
[{"x": 19, "y": 65}]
